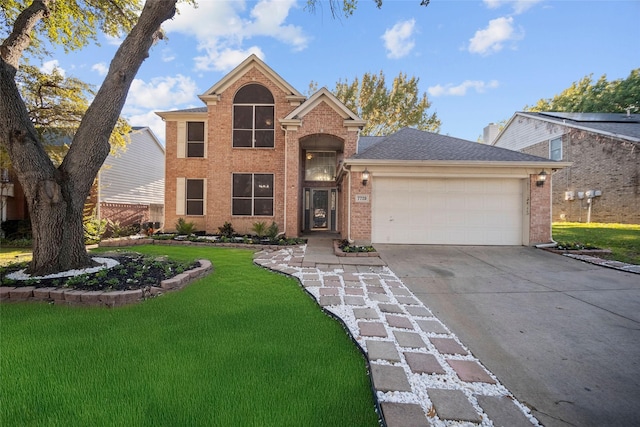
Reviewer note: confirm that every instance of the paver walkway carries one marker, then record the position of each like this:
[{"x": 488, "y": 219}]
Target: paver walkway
[{"x": 421, "y": 373}]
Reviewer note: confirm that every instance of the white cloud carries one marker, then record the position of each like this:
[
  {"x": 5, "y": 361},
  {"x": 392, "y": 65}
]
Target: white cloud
[
  {"x": 48, "y": 67},
  {"x": 491, "y": 39},
  {"x": 224, "y": 59},
  {"x": 519, "y": 6},
  {"x": 148, "y": 119},
  {"x": 168, "y": 55},
  {"x": 398, "y": 40},
  {"x": 461, "y": 89},
  {"x": 114, "y": 41},
  {"x": 101, "y": 68},
  {"x": 161, "y": 92},
  {"x": 223, "y": 27}
]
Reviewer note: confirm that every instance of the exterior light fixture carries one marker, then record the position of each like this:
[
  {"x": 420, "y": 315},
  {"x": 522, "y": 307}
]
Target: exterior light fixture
[
  {"x": 365, "y": 177},
  {"x": 542, "y": 177}
]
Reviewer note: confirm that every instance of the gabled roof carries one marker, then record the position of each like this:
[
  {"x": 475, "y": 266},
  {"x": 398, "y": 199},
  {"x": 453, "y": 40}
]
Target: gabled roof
[
  {"x": 412, "y": 144},
  {"x": 323, "y": 95},
  {"x": 617, "y": 125},
  {"x": 251, "y": 62}
]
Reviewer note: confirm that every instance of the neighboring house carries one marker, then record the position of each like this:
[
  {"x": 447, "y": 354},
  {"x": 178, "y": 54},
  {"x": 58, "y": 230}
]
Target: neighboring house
[
  {"x": 131, "y": 183},
  {"x": 603, "y": 182},
  {"x": 259, "y": 151}
]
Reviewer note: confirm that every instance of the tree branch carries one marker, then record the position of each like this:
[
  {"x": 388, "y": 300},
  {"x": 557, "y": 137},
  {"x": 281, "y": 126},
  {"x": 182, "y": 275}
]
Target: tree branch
[{"x": 20, "y": 38}]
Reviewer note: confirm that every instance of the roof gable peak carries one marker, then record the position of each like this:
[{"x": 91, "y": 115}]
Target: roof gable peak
[{"x": 253, "y": 61}]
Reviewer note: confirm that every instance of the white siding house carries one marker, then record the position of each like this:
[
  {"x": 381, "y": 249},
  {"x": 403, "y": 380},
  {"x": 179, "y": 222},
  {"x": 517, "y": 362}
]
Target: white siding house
[{"x": 132, "y": 181}]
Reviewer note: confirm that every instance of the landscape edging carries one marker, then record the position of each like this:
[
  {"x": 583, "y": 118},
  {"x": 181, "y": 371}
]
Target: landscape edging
[{"x": 105, "y": 298}]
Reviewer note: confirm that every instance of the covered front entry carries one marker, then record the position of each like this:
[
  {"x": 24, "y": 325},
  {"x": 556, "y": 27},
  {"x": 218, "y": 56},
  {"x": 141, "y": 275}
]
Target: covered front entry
[
  {"x": 452, "y": 211},
  {"x": 320, "y": 211}
]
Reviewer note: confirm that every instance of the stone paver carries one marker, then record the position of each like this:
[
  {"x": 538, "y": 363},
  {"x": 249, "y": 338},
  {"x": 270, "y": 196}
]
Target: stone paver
[
  {"x": 447, "y": 346},
  {"x": 471, "y": 371},
  {"x": 398, "y": 321},
  {"x": 453, "y": 405},
  {"x": 372, "y": 329},
  {"x": 389, "y": 378},
  {"x": 503, "y": 411},
  {"x": 409, "y": 339},
  {"x": 423, "y": 363},
  {"x": 382, "y": 350},
  {"x": 407, "y": 364},
  {"x": 404, "y": 415}
]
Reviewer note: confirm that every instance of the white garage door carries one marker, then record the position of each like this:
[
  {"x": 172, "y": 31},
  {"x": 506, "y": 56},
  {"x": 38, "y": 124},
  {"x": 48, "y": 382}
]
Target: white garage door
[{"x": 448, "y": 211}]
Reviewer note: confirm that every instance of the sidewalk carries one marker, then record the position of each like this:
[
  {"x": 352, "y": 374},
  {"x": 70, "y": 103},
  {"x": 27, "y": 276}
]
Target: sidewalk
[{"x": 421, "y": 373}]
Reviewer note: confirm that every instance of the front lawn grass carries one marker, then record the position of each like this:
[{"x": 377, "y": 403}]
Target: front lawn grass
[
  {"x": 241, "y": 347},
  {"x": 9, "y": 255},
  {"x": 622, "y": 239}
]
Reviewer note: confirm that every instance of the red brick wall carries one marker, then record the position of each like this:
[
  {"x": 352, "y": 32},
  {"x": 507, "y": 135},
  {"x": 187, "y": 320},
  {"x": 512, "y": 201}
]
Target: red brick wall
[
  {"x": 539, "y": 212},
  {"x": 360, "y": 212},
  {"x": 599, "y": 163},
  {"x": 125, "y": 213}
]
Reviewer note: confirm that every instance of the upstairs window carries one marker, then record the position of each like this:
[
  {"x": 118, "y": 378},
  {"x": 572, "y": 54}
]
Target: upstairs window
[
  {"x": 252, "y": 194},
  {"x": 253, "y": 117},
  {"x": 320, "y": 166},
  {"x": 195, "y": 139},
  {"x": 555, "y": 149}
]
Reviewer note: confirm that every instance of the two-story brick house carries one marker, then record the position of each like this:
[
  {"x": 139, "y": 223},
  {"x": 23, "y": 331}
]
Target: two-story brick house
[{"x": 259, "y": 151}]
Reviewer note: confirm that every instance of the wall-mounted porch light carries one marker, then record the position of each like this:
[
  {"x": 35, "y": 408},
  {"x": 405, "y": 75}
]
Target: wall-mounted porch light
[
  {"x": 542, "y": 177},
  {"x": 365, "y": 177}
]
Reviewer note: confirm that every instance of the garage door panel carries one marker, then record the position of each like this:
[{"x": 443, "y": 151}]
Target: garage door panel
[{"x": 447, "y": 211}]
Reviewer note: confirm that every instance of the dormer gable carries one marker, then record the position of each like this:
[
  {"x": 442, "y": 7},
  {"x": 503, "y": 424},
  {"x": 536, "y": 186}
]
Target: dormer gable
[
  {"x": 351, "y": 120},
  {"x": 212, "y": 95}
]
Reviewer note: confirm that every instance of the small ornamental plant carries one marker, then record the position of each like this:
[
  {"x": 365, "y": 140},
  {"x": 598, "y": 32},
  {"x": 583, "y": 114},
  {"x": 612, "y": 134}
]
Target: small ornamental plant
[{"x": 346, "y": 247}]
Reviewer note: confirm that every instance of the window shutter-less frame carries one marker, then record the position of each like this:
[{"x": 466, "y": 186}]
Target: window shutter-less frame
[
  {"x": 181, "y": 201},
  {"x": 182, "y": 140}
]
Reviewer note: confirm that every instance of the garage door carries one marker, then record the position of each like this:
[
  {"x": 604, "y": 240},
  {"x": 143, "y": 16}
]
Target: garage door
[{"x": 447, "y": 211}]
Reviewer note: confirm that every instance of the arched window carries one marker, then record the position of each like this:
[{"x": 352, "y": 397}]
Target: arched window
[{"x": 253, "y": 117}]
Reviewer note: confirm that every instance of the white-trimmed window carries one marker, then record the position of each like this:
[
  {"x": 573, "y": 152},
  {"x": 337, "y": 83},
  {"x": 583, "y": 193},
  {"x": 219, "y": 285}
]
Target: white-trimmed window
[
  {"x": 253, "y": 117},
  {"x": 555, "y": 149},
  {"x": 194, "y": 201},
  {"x": 252, "y": 194},
  {"x": 320, "y": 166},
  {"x": 195, "y": 139}
]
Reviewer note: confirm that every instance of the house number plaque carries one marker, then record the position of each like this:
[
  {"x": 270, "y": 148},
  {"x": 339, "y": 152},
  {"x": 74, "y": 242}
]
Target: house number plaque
[{"x": 362, "y": 198}]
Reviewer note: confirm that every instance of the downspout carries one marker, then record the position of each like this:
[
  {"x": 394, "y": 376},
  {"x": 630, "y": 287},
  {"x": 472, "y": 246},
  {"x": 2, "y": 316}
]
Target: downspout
[
  {"x": 348, "y": 172},
  {"x": 286, "y": 161}
]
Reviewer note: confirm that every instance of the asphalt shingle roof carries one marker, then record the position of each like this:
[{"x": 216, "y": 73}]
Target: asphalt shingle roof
[
  {"x": 616, "y": 124},
  {"x": 413, "y": 144}
]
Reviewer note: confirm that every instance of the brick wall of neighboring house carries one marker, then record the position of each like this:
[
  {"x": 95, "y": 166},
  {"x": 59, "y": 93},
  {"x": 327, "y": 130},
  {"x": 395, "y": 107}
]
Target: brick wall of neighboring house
[
  {"x": 599, "y": 163},
  {"x": 539, "y": 212},
  {"x": 125, "y": 213}
]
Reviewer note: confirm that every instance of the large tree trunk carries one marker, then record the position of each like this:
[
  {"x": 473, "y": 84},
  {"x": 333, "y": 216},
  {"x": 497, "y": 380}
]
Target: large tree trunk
[{"x": 56, "y": 196}]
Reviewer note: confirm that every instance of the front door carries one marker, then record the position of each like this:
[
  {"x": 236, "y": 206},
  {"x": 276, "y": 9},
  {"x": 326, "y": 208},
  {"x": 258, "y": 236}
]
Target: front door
[{"x": 320, "y": 209}]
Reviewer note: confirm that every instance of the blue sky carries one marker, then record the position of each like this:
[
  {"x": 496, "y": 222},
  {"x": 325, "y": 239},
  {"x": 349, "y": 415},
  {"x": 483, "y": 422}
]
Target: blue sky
[{"x": 478, "y": 61}]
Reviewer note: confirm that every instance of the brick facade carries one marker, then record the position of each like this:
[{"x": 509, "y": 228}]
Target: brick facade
[
  {"x": 322, "y": 124},
  {"x": 539, "y": 212},
  {"x": 599, "y": 163}
]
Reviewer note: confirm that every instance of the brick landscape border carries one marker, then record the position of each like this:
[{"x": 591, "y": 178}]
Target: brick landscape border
[{"x": 103, "y": 298}]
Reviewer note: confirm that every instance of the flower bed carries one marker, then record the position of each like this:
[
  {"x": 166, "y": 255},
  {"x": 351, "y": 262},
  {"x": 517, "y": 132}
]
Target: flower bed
[{"x": 343, "y": 248}]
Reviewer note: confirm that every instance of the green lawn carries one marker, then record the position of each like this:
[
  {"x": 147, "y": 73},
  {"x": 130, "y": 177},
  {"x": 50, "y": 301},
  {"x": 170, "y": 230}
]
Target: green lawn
[
  {"x": 622, "y": 239},
  {"x": 241, "y": 347},
  {"x": 10, "y": 255}
]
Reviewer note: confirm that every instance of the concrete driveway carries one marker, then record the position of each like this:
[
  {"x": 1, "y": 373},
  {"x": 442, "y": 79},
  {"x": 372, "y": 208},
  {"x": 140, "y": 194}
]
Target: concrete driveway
[{"x": 562, "y": 335}]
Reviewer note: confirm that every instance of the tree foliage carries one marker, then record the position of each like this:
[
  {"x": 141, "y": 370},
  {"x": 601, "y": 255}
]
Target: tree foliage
[
  {"x": 600, "y": 96},
  {"x": 56, "y": 105},
  {"x": 347, "y": 7},
  {"x": 55, "y": 193},
  {"x": 387, "y": 110}
]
